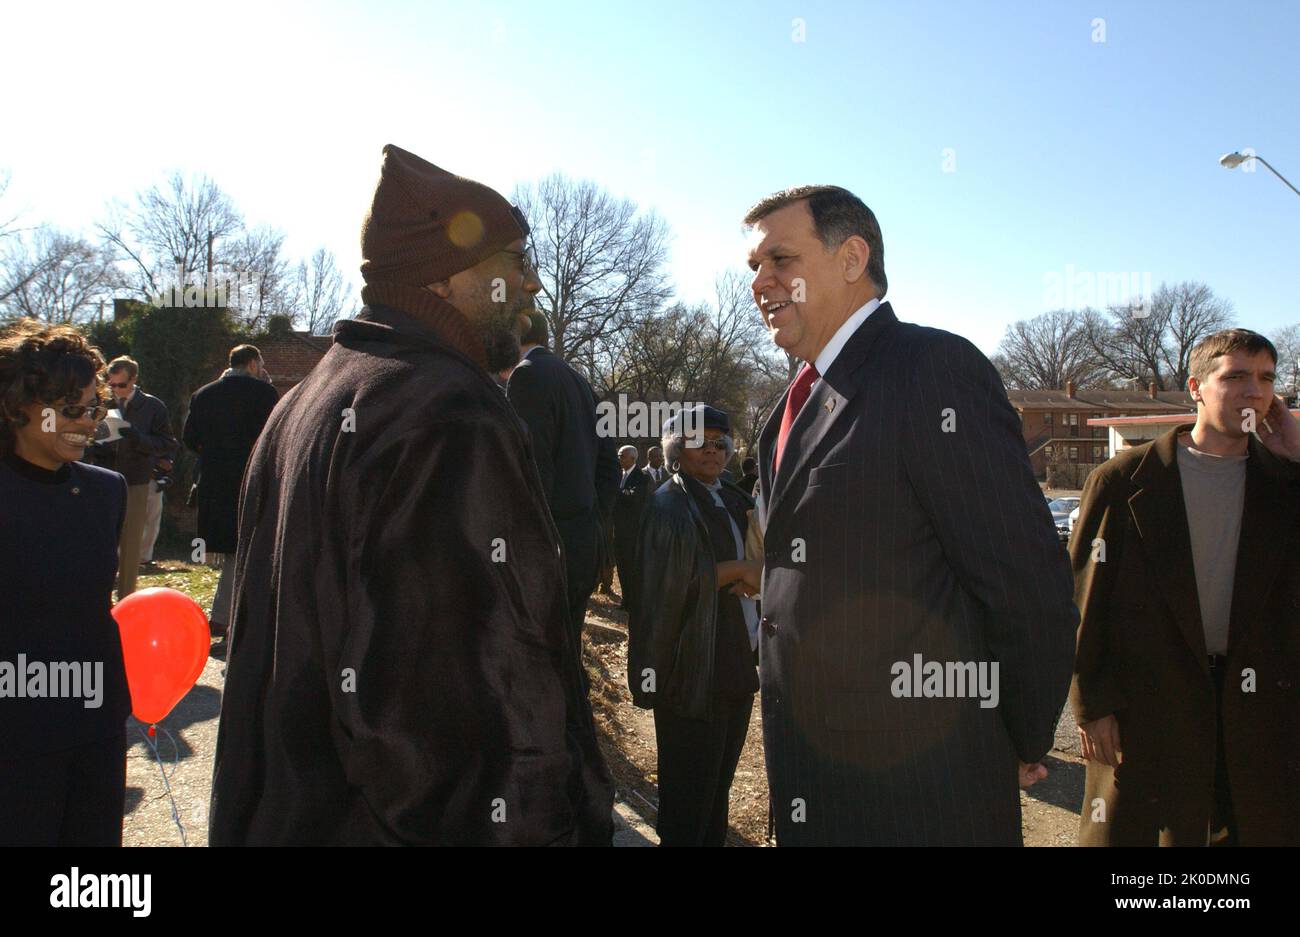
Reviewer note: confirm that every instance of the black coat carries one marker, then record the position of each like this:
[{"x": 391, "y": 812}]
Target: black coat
[
  {"x": 654, "y": 485},
  {"x": 905, "y": 520},
  {"x": 579, "y": 469},
  {"x": 672, "y": 627},
  {"x": 400, "y": 668},
  {"x": 224, "y": 422},
  {"x": 628, "y": 504}
]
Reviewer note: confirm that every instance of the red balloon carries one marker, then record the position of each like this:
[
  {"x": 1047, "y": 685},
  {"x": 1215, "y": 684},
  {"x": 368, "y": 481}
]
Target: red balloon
[{"x": 165, "y": 646}]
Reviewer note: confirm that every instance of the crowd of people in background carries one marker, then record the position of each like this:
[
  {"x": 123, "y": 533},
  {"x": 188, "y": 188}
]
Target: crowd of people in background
[{"x": 408, "y": 540}]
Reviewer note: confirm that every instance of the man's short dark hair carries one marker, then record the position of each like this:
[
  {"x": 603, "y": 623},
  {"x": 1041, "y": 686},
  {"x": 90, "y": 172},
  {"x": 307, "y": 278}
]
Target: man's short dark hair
[
  {"x": 1218, "y": 344},
  {"x": 536, "y": 333},
  {"x": 749, "y": 465},
  {"x": 123, "y": 363},
  {"x": 241, "y": 356},
  {"x": 837, "y": 215}
]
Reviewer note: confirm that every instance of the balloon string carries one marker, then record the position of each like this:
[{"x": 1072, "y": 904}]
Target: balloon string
[{"x": 176, "y": 752}]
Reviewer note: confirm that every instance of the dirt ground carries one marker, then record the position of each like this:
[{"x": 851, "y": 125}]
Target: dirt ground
[
  {"x": 1049, "y": 810},
  {"x": 186, "y": 743}
]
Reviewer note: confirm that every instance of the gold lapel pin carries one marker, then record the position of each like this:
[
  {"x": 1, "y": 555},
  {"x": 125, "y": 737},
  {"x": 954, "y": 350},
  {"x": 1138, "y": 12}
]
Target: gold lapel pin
[{"x": 830, "y": 405}]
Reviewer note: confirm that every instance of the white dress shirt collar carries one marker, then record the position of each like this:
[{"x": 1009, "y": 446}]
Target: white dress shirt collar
[{"x": 842, "y": 336}]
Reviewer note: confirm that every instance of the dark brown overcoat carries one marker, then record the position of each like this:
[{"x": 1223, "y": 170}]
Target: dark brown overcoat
[{"x": 1142, "y": 655}]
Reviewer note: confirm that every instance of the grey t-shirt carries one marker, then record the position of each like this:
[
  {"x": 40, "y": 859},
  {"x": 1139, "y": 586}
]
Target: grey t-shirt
[{"x": 1214, "y": 490}]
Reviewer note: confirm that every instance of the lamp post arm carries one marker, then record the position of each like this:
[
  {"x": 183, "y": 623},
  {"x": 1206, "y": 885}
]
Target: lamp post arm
[{"x": 1278, "y": 174}]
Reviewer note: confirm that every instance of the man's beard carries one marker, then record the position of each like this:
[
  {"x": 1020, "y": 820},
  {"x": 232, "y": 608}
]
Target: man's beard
[
  {"x": 498, "y": 326},
  {"x": 502, "y": 347}
]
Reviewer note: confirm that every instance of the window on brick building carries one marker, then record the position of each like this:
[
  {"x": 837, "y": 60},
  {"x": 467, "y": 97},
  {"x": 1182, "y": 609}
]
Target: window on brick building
[{"x": 1074, "y": 453}]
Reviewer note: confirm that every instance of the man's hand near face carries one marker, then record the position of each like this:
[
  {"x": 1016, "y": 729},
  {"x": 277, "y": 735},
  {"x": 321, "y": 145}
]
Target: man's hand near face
[{"x": 1279, "y": 431}]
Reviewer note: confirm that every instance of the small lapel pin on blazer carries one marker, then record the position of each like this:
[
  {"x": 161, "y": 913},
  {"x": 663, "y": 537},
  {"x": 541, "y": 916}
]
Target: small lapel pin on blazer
[{"x": 830, "y": 405}]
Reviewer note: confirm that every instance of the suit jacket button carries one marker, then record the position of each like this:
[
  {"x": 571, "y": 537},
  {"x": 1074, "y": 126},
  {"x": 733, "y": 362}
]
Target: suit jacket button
[{"x": 768, "y": 625}]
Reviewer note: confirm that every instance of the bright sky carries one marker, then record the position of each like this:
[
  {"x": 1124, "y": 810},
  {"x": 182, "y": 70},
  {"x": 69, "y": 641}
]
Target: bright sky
[{"x": 1000, "y": 144}]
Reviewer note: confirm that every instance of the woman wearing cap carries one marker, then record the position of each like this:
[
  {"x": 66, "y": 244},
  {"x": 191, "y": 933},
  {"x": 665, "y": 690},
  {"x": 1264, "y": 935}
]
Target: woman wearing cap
[
  {"x": 693, "y": 632},
  {"x": 62, "y": 739}
]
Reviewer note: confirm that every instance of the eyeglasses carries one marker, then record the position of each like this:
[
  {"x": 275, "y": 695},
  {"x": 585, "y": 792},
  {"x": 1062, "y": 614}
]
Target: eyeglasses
[
  {"x": 117, "y": 386},
  {"x": 722, "y": 444},
  {"x": 75, "y": 411},
  {"x": 525, "y": 259}
]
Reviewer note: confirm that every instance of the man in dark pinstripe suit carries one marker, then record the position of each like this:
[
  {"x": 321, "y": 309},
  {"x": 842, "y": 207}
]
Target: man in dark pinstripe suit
[{"x": 918, "y": 632}]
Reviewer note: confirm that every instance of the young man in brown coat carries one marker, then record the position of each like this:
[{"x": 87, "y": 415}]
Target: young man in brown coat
[{"x": 1186, "y": 557}]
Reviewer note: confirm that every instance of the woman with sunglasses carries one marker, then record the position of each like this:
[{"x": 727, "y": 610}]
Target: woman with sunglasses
[
  {"x": 63, "y": 691},
  {"x": 693, "y": 630}
]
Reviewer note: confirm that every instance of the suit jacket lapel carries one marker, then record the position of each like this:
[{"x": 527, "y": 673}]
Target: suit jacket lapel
[
  {"x": 766, "y": 453},
  {"x": 1161, "y": 518},
  {"x": 1267, "y": 514},
  {"x": 825, "y": 406}
]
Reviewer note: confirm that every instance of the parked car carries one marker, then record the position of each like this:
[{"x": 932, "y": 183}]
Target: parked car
[
  {"x": 1061, "y": 508},
  {"x": 1069, "y": 524}
]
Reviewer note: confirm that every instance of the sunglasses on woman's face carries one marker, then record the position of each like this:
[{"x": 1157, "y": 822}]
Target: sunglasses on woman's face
[
  {"x": 722, "y": 444},
  {"x": 74, "y": 411}
]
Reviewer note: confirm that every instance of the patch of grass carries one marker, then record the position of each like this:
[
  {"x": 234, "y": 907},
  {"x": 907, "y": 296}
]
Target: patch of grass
[{"x": 198, "y": 582}]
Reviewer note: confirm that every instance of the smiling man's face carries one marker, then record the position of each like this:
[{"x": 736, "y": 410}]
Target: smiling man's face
[{"x": 804, "y": 291}]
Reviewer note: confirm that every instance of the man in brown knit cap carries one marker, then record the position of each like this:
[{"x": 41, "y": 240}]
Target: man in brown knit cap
[{"x": 399, "y": 668}]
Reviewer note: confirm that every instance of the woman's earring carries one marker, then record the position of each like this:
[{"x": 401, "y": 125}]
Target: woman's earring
[{"x": 675, "y": 467}]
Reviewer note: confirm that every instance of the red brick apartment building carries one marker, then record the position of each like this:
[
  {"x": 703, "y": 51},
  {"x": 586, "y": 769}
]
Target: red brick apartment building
[{"x": 1055, "y": 422}]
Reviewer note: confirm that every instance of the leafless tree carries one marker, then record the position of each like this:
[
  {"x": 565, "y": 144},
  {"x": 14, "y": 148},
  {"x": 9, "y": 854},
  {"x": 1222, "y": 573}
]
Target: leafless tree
[
  {"x": 1287, "y": 343},
  {"x": 600, "y": 262},
  {"x": 714, "y": 352},
  {"x": 164, "y": 235},
  {"x": 55, "y": 277},
  {"x": 8, "y": 222},
  {"x": 18, "y": 268},
  {"x": 256, "y": 261},
  {"x": 322, "y": 295},
  {"x": 1154, "y": 342},
  {"x": 1194, "y": 312},
  {"x": 1045, "y": 352}
]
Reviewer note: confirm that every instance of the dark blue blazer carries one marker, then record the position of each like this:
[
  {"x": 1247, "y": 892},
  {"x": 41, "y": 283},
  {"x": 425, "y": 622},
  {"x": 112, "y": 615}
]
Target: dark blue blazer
[{"x": 904, "y": 521}]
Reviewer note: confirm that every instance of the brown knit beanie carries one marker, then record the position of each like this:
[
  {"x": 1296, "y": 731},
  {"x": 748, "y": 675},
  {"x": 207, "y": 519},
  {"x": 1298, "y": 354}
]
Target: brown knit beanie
[{"x": 426, "y": 224}]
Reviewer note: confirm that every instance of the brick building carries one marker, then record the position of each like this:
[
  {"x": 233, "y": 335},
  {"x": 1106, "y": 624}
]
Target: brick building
[
  {"x": 290, "y": 356},
  {"x": 1056, "y": 426}
]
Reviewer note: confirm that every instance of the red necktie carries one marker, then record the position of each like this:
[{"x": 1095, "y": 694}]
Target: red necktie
[{"x": 798, "y": 396}]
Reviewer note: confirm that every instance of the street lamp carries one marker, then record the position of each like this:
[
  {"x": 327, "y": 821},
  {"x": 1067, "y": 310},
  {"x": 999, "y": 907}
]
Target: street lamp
[{"x": 1233, "y": 160}]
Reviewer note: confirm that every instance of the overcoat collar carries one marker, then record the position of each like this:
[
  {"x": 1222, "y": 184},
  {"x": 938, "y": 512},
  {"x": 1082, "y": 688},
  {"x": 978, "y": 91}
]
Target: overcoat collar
[
  {"x": 1160, "y": 516},
  {"x": 431, "y": 312}
]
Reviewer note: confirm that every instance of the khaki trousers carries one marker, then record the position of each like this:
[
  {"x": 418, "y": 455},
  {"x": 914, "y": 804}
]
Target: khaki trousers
[{"x": 128, "y": 548}]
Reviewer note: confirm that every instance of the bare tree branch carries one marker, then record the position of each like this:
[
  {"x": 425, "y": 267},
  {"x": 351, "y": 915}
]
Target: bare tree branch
[{"x": 600, "y": 262}]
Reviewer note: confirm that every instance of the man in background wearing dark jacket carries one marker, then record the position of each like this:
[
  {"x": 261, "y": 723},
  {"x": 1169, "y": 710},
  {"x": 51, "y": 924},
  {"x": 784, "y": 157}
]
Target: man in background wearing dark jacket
[
  {"x": 634, "y": 487},
  {"x": 148, "y": 434},
  {"x": 225, "y": 419},
  {"x": 400, "y": 665},
  {"x": 579, "y": 469}
]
